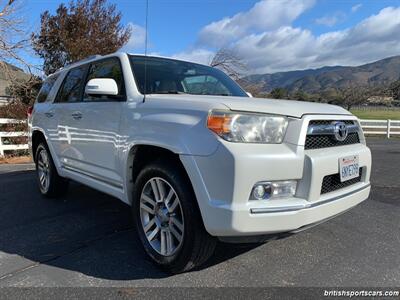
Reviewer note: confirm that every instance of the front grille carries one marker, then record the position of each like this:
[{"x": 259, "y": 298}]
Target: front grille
[
  {"x": 326, "y": 141},
  {"x": 332, "y": 182}
]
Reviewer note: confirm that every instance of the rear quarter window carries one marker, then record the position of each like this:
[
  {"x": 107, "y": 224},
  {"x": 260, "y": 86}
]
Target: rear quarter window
[{"x": 46, "y": 88}]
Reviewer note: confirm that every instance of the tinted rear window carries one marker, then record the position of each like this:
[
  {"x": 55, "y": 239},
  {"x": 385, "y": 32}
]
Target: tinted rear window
[{"x": 46, "y": 88}]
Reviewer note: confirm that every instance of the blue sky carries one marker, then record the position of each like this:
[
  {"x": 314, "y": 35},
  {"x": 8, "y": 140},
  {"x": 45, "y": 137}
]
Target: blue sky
[{"x": 270, "y": 35}]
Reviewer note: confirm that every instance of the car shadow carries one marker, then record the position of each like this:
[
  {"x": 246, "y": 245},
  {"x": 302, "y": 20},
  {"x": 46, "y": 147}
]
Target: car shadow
[{"x": 85, "y": 231}]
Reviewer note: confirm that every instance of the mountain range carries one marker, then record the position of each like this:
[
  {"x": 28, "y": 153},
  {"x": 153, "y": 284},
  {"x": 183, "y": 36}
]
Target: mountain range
[{"x": 377, "y": 73}]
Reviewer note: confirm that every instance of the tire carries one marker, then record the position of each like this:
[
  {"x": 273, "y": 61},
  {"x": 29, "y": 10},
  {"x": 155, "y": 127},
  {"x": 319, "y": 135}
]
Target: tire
[
  {"x": 178, "y": 216},
  {"x": 51, "y": 185}
]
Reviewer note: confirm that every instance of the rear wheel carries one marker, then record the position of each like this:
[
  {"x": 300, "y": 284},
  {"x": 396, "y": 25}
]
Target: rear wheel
[
  {"x": 50, "y": 183},
  {"x": 168, "y": 220}
]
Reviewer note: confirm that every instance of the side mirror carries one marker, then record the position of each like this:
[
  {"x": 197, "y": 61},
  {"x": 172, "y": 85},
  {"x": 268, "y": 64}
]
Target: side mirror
[
  {"x": 101, "y": 86},
  {"x": 249, "y": 94}
]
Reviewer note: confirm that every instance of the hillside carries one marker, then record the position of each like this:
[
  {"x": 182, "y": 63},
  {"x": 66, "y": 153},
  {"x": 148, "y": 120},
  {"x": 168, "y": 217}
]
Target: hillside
[{"x": 315, "y": 80}]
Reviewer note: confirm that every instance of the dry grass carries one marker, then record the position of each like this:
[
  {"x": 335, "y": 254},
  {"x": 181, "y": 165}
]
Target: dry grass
[
  {"x": 15, "y": 159},
  {"x": 377, "y": 114}
]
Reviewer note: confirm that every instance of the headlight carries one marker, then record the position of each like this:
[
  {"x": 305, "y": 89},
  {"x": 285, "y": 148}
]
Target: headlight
[{"x": 248, "y": 127}]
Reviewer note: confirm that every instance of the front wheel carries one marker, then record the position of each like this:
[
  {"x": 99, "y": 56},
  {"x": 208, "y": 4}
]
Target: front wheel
[{"x": 168, "y": 220}]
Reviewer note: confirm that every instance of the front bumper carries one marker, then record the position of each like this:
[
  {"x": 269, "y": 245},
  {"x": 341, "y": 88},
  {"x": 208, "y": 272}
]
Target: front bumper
[
  {"x": 223, "y": 183},
  {"x": 289, "y": 219}
]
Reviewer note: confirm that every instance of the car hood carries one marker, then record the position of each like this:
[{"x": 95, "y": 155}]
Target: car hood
[
  {"x": 282, "y": 107},
  {"x": 261, "y": 105}
]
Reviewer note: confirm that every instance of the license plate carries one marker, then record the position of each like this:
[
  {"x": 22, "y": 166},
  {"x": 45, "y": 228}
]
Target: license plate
[{"x": 348, "y": 167}]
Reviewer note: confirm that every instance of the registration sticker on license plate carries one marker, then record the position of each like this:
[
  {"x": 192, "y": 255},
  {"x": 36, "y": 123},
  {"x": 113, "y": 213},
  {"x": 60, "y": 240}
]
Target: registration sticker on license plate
[{"x": 349, "y": 167}]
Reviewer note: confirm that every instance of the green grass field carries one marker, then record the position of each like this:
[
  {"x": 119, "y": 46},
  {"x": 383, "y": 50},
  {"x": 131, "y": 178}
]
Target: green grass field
[{"x": 377, "y": 114}]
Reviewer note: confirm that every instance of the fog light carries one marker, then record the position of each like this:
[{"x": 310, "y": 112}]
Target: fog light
[
  {"x": 259, "y": 192},
  {"x": 273, "y": 189}
]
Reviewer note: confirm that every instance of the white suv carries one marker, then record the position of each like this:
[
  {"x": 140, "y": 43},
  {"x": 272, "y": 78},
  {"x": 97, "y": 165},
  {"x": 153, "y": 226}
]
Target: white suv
[{"x": 196, "y": 157}]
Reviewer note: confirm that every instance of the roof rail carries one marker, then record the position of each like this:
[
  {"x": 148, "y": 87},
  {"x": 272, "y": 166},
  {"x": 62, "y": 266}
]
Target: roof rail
[{"x": 81, "y": 61}]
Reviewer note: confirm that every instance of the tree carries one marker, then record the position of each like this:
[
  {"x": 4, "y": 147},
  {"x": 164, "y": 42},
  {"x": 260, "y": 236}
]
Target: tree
[
  {"x": 394, "y": 90},
  {"x": 25, "y": 91},
  {"x": 279, "y": 93},
  {"x": 330, "y": 95},
  {"x": 23, "y": 87},
  {"x": 255, "y": 89},
  {"x": 229, "y": 62},
  {"x": 84, "y": 28},
  {"x": 300, "y": 95},
  {"x": 233, "y": 65},
  {"x": 12, "y": 39},
  {"x": 352, "y": 95}
]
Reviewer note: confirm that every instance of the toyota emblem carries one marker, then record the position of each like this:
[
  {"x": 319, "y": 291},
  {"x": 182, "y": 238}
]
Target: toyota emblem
[{"x": 340, "y": 131}]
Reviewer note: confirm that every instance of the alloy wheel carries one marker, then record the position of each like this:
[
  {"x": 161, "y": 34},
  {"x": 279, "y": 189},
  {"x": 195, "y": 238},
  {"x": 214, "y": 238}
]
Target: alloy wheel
[{"x": 161, "y": 216}]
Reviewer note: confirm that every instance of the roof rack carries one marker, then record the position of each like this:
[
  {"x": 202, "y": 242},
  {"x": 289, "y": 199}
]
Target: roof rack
[{"x": 81, "y": 61}]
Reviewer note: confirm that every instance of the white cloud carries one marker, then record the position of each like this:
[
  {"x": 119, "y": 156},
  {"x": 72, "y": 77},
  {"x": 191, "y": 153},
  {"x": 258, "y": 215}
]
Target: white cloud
[
  {"x": 327, "y": 20},
  {"x": 291, "y": 48},
  {"x": 138, "y": 38},
  {"x": 202, "y": 56},
  {"x": 286, "y": 47},
  {"x": 264, "y": 15},
  {"x": 356, "y": 7},
  {"x": 268, "y": 46},
  {"x": 331, "y": 20}
]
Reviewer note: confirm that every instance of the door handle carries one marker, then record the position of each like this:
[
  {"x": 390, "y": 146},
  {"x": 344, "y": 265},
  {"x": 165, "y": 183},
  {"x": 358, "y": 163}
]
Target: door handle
[
  {"x": 77, "y": 115},
  {"x": 49, "y": 114}
]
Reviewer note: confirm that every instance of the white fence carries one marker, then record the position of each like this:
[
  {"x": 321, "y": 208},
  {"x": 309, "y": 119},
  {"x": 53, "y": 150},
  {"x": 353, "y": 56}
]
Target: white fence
[
  {"x": 381, "y": 127},
  {"x": 5, "y": 146},
  {"x": 370, "y": 127}
]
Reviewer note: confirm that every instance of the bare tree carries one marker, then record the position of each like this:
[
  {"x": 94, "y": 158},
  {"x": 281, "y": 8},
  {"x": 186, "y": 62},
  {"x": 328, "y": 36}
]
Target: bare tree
[
  {"x": 14, "y": 40},
  {"x": 229, "y": 62},
  {"x": 352, "y": 95},
  {"x": 12, "y": 36}
]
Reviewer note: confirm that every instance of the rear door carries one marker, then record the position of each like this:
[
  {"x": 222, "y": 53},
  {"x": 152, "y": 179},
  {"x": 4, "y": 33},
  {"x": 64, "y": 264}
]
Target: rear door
[
  {"x": 45, "y": 117},
  {"x": 94, "y": 127},
  {"x": 66, "y": 107}
]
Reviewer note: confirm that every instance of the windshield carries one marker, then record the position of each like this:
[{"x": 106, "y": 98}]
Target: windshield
[{"x": 168, "y": 76}]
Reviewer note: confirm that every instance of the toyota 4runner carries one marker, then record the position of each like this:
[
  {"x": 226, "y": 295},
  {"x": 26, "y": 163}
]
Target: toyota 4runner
[{"x": 196, "y": 157}]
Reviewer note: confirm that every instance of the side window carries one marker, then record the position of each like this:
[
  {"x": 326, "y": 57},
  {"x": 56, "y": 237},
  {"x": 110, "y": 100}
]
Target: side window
[
  {"x": 46, "y": 88},
  {"x": 107, "y": 68},
  {"x": 72, "y": 86}
]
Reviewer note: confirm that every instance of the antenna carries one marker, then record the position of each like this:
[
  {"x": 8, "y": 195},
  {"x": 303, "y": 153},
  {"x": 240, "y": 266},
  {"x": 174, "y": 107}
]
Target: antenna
[{"x": 145, "y": 50}]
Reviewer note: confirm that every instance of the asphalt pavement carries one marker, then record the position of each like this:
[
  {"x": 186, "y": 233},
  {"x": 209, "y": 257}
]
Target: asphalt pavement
[{"x": 86, "y": 239}]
